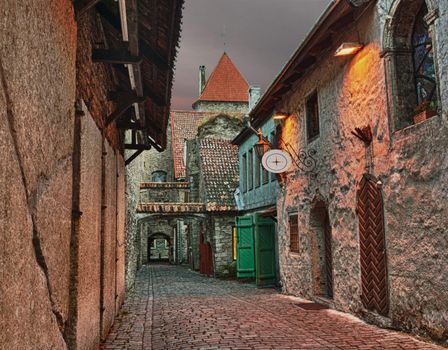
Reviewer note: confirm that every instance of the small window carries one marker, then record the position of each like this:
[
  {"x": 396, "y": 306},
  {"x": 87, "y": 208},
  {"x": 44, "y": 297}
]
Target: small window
[
  {"x": 158, "y": 176},
  {"x": 264, "y": 175},
  {"x": 244, "y": 174},
  {"x": 250, "y": 178},
  {"x": 234, "y": 243},
  {"x": 312, "y": 117},
  {"x": 257, "y": 170},
  {"x": 293, "y": 233}
]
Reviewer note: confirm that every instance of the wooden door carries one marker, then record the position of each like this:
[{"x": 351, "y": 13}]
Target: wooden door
[{"x": 374, "y": 281}]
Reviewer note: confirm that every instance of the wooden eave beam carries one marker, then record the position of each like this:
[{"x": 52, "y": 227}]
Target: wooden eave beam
[
  {"x": 305, "y": 63},
  {"x": 123, "y": 106},
  {"x": 115, "y": 56},
  {"x": 82, "y": 6},
  {"x": 153, "y": 56}
]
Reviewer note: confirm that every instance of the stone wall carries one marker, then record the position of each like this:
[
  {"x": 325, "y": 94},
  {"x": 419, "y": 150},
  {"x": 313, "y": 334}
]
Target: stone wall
[
  {"x": 221, "y": 240},
  {"x": 52, "y": 179},
  {"x": 410, "y": 164},
  {"x": 37, "y": 94},
  {"x": 221, "y": 107}
]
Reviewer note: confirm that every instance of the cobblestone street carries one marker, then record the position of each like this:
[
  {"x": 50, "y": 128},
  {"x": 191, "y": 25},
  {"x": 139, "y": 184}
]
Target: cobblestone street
[{"x": 174, "y": 308}]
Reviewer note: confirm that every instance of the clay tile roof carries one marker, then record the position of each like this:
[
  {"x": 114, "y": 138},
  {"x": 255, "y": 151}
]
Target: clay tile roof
[
  {"x": 226, "y": 83},
  {"x": 219, "y": 167},
  {"x": 184, "y": 126}
]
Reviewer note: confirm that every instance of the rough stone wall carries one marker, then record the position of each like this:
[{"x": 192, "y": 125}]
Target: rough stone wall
[
  {"x": 121, "y": 233},
  {"x": 109, "y": 240},
  {"x": 221, "y": 240},
  {"x": 154, "y": 160},
  {"x": 37, "y": 93},
  {"x": 89, "y": 251},
  {"x": 221, "y": 107},
  {"x": 50, "y": 264},
  {"x": 411, "y": 165}
]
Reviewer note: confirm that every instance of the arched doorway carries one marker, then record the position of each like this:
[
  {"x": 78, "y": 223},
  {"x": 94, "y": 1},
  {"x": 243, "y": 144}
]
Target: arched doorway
[
  {"x": 159, "y": 248},
  {"x": 322, "y": 258}
]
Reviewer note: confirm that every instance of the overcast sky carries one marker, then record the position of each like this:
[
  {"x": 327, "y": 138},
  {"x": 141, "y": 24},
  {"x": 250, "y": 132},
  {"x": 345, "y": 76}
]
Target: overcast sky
[{"x": 260, "y": 36}]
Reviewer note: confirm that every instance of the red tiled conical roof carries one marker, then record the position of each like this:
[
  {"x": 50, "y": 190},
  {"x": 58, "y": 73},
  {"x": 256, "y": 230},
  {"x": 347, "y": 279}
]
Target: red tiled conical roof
[{"x": 226, "y": 83}]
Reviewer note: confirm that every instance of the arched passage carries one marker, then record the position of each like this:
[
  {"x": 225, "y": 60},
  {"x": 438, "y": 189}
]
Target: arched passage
[
  {"x": 159, "y": 247},
  {"x": 321, "y": 259}
]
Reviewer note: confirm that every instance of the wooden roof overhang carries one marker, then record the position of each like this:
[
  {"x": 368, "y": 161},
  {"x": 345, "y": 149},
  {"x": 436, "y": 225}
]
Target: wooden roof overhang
[
  {"x": 153, "y": 30},
  {"x": 323, "y": 38}
]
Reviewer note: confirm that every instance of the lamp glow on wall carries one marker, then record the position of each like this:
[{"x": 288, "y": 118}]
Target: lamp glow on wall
[{"x": 347, "y": 49}]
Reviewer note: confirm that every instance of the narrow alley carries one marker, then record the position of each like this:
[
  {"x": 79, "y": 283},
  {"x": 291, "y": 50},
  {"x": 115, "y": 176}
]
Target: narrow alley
[{"x": 175, "y": 308}]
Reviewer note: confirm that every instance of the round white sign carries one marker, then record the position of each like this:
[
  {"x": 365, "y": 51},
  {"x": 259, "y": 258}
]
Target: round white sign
[{"x": 276, "y": 161}]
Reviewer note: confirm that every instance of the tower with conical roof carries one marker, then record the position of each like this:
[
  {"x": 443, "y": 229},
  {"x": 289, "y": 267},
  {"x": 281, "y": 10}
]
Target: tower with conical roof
[{"x": 225, "y": 90}]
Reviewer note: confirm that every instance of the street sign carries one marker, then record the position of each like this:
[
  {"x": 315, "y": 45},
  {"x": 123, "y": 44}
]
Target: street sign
[{"x": 276, "y": 161}]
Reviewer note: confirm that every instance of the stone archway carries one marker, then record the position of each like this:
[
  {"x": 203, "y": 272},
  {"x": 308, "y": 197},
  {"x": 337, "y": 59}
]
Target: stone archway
[
  {"x": 321, "y": 251},
  {"x": 159, "y": 247}
]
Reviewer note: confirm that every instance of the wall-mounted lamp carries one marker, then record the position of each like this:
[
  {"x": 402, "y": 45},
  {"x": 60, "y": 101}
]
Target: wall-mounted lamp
[
  {"x": 262, "y": 145},
  {"x": 347, "y": 49},
  {"x": 280, "y": 116}
]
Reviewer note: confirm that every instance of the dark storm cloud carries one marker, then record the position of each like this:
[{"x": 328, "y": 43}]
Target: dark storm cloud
[{"x": 260, "y": 36}]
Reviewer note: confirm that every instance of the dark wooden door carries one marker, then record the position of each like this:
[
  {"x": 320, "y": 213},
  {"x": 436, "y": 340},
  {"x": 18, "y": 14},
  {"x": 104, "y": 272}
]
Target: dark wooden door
[
  {"x": 374, "y": 281},
  {"x": 328, "y": 257},
  {"x": 206, "y": 257}
]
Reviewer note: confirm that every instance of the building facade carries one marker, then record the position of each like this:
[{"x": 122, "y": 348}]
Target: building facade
[
  {"x": 365, "y": 231},
  {"x": 62, "y": 179}
]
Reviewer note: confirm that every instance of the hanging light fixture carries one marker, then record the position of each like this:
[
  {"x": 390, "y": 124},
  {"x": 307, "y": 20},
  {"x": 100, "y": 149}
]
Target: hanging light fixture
[
  {"x": 262, "y": 145},
  {"x": 347, "y": 49}
]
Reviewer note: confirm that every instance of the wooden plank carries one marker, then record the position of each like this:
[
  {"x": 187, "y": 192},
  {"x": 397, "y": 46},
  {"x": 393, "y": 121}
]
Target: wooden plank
[{"x": 115, "y": 56}]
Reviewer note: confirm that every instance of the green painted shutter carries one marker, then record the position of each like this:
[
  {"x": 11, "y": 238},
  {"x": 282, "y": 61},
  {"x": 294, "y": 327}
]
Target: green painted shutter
[
  {"x": 265, "y": 251},
  {"x": 245, "y": 247}
]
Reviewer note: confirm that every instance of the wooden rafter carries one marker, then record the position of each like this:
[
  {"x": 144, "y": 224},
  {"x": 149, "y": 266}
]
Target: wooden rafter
[{"x": 116, "y": 56}]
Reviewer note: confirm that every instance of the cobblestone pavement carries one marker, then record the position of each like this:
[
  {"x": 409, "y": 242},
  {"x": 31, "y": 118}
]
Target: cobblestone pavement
[{"x": 174, "y": 308}]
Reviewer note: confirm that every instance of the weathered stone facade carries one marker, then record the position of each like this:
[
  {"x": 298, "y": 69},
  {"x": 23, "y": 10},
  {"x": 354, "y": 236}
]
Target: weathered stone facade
[
  {"x": 408, "y": 164},
  {"x": 61, "y": 263}
]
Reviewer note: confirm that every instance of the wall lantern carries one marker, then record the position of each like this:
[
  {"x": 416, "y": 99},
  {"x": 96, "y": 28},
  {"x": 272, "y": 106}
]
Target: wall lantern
[
  {"x": 262, "y": 145},
  {"x": 280, "y": 116},
  {"x": 347, "y": 49}
]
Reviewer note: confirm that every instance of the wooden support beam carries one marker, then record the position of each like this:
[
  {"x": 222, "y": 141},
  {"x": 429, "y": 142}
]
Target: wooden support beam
[
  {"x": 115, "y": 56},
  {"x": 82, "y": 6},
  {"x": 137, "y": 146},
  {"x": 152, "y": 55},
  {"x": 147, "y": 92},
  {"x": 123, "y": 106},
  {"x": 131, "y": 158}
]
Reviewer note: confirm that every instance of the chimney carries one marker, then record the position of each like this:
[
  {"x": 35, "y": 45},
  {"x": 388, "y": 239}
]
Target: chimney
[
  {"x": 254, "y": 96},
  {"x": 201, "y": 79}
]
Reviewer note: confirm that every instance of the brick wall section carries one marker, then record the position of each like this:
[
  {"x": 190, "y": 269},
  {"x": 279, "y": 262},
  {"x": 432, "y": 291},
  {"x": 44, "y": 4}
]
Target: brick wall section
[
  {"x": 411, "y": 165},
  {"x": 222, "y": 245}
]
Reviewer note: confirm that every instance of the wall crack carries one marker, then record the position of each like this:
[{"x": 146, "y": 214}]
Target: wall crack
[{"x": 40, "y": 259}]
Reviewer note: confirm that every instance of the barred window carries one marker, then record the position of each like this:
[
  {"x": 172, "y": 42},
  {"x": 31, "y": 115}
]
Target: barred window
[{"x": 293, "y": 233}]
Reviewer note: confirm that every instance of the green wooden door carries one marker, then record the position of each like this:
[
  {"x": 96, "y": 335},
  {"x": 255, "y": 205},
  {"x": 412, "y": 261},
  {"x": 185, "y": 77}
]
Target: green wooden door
[
  {"x": 265, "y": 251},
  {"x": 245, "y": 247}
]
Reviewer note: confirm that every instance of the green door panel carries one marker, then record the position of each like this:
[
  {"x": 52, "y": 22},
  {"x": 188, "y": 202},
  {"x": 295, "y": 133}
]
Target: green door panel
[
  {"x": 245, "y": 247},
  {"x": 265, "y": 251}
]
